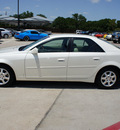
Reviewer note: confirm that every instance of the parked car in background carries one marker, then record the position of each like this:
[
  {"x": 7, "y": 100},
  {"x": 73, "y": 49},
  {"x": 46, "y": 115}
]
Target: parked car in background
[
  {"x": 116, "y": 38},
  {"x": 99, "y": 35},
  {"x": 78, "y": 31},
  {"x": 43, "y": 31},
  {"x": 12, "y": 31},
  {"x": 5, "y": 33},
  {"x": 29, "y": 35},
  {"x": 93, "y": 34},
  {"x": 67, "y": 57},
  {"x": 109, "y": 37},
  {"x": 104, "y": 35},
  {"x": 84, "y": 32}
]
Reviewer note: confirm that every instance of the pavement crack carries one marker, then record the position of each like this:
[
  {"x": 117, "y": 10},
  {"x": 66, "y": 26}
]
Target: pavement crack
[{"x": 36, "y": 128}]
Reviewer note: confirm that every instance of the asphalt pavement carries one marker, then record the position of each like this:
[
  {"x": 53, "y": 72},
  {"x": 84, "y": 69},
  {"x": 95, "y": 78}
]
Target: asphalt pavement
[{"x": 56, "y": 105}]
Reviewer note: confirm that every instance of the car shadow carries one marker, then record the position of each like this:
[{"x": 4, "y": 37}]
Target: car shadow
[
  {"x": 18, "y": 40},
  {"x": 58, "y": 85},
  {"x": 1, "y": 41},
  {"x": 55, "y": 85}
]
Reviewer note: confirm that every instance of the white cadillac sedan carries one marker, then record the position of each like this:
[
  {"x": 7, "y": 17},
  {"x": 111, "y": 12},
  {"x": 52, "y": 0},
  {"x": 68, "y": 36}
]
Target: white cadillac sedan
[{"x": 65, "y": 57}]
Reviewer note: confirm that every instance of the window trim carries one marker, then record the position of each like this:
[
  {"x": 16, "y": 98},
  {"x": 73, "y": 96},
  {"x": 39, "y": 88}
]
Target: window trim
[{"x": 68, "y": 48}]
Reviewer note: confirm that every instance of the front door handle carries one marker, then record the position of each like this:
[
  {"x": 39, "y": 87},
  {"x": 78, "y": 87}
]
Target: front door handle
[{"x": 61, "y": 60}]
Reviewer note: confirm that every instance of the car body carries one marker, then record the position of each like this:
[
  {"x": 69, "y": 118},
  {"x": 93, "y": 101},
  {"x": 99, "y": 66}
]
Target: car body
[
  {"x": 5, "y": 33},
  {"x": 109, "y": 37},
  {"x": 43, "y": 31},
  {"x": 104, "y": 36},
  {"x": 29, "y": 35},
  {"x": 99, "y": 35},
  {"x": 13, "y": 32},
  {"x": 116, "y": 38},
  {"x": 78, "y": 31},
  {"x": 67, "y": 57}
]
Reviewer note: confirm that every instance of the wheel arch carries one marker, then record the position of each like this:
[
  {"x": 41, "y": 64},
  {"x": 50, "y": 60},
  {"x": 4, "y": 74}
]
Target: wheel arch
[
  {"x": 109, "y": 66},
  {"x": 26, "y": 36},
  {"x": 5, "y": 34},
  {"x": 6, "y": 65}
]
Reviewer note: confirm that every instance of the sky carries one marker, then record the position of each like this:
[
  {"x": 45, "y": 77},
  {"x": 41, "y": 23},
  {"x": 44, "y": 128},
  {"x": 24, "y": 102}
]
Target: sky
[{"x": 93, "y": 10}]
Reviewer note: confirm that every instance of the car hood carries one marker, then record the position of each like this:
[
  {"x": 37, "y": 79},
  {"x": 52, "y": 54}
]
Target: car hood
[{"x": 9, "y": 49}]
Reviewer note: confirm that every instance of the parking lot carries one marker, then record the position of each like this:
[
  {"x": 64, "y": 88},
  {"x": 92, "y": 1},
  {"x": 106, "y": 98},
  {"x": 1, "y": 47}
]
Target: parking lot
[{"x": 56, "y": 105}]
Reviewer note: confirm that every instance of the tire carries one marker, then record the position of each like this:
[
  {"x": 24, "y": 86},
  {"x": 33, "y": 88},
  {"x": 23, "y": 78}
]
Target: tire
[
  {"x": 119, "y": 40},
  {"x": 6, "y": 36},
  {"x": 114, "y": 41},
  {"x": 7, "y": 76},
  {"x": 26, "y": 38},
  {"x": 108, "y": 78}
]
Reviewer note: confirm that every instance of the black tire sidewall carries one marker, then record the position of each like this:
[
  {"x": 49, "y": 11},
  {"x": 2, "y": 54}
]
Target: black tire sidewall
[{"x": 26, "y": 38}]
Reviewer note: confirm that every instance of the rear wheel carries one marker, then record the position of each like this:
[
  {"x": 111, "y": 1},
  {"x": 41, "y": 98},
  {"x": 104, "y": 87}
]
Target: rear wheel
[
  {"x": 7, "y": 76},
  {"x": 114, "y": 41},
  {"x": 119, "y": 40},
  {"x": 6, "y": 36},
  {"x": 107, "y": 78},
  {"x": 26, "y": 38}
]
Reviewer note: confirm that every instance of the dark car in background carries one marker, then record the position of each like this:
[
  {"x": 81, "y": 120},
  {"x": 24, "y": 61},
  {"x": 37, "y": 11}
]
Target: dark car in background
[
  {"x": 29, "y": 35},
  {"x": 115, "y": 36}
]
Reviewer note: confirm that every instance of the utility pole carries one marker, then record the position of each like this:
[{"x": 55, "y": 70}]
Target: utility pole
[{"x": 18, "y": 17}]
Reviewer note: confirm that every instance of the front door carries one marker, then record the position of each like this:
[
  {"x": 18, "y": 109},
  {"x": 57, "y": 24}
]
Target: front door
[{"x": 51, "y": 61}]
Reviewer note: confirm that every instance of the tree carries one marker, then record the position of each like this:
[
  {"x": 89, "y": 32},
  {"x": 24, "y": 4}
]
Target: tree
[
  {"x": 118, "y": 24},
  {"x": 80, "y": 20},
  {"x": 41, "y": 15},
  {"x": 26, "y": 14},
  {"x": 76, "y": 18},
  {"x": 60, "y": 24}
]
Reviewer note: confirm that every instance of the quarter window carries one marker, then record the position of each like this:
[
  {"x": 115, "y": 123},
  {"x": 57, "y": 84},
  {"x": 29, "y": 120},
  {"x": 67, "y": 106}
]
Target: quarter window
[{"x": 85, "y": 45}]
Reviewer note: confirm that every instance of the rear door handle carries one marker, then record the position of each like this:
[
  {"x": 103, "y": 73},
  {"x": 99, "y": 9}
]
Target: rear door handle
[{"x": 96, "y": 58}]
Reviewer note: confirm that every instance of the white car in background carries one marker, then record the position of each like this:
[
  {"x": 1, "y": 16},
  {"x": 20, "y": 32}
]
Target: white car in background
[
  {"x": 5, "y": 33},
  {"x": 109, "y": 37},
  {"x": 67, "y": 57}
]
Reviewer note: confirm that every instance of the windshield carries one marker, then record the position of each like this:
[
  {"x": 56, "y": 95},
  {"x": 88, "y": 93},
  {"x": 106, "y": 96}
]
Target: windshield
[{"x": 23, "y": 48}]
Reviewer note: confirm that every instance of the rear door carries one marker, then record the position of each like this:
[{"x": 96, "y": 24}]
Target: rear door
[
  {"x": 34, "y": 35},
  {"x": 85, "y": 56}
]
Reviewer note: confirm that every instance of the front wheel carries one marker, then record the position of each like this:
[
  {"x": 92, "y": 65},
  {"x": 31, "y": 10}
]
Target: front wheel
[
  {"x": 7, "y": 77},
  {"x": 108, "y": 78}
]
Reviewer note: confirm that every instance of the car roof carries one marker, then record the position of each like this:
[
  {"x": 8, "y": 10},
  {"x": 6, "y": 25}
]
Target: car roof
[
  {"x": 31, "y": 30},
  {"x": 71, "y": 35},
  {"x": 107, "y": 47}
]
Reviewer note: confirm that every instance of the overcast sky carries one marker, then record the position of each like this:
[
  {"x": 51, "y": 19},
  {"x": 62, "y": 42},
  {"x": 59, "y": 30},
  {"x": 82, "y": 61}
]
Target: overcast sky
[{"x": 91, "y": 9}]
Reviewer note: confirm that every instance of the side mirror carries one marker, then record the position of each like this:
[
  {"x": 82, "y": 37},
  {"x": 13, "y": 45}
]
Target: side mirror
[{"x": 34, "y": 51}]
